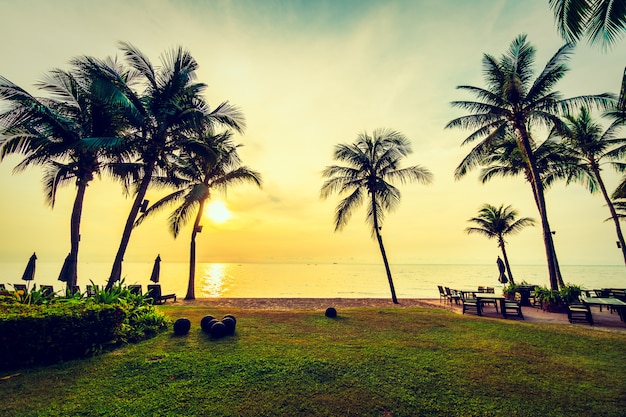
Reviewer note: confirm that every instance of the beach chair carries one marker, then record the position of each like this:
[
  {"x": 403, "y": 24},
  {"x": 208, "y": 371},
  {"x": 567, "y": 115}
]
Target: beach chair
[
  {"x": 47, "y": 291},
  {"x": 512, "y": 308},
  {"x": 154, "y": 292},
  {"x": 135, "y": 289},
  {"x": 578, "y": 313}
]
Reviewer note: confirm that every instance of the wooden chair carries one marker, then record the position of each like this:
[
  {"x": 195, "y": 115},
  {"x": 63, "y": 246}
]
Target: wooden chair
[
  {"x": 442, "y": 293},
  {"x": 578, "y": 313},
  {"x": 471, "y": 305},
  {"x": 481, "y": 288},
  {"x": 47, "y": 290},
  {"x": 135, "y": 289},
  {"x": 512, "y": 308},
  {"x": 154, "y": 291},
  {"x": 91, "y": 290},
  {"x": 452, "y": 295}
]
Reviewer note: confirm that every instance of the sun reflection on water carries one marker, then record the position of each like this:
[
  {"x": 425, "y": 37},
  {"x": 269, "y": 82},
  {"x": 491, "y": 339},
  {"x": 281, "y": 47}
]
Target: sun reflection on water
[{"x": 213, "y": 277}]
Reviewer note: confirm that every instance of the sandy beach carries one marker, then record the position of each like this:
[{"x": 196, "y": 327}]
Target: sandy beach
[{"x": 604, "y": 320}]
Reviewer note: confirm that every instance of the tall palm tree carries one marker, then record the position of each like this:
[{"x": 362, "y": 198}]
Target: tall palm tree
[
  {"x": 511, "y": 102},
  {"x": 71, "y": 134},
  {"x": 601, "y": 21},
  {"x": 496, "y": 223},
  {"x": 592, "y": 145},
  {"x": 373, "y": 162},
  {"x": 214, "y": 165},
  {"x": 167, "y": 109}
]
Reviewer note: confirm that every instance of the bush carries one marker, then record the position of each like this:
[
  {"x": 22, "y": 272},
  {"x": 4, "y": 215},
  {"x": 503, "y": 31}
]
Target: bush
[{"x": 33, "y": 335}]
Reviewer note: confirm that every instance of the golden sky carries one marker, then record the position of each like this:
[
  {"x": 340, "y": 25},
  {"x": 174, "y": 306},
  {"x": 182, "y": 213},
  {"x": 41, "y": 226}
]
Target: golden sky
[{"x": 309, "y": 75}]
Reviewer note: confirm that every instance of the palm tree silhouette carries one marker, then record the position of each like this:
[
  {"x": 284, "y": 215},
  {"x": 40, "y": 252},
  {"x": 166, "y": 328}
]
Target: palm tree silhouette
[
  {"x": 512, "y": 102},
  {"x": 373, "y": 161},
  {"x": 496, "y": 223},
  {"x": 601, "y": 21},
  {"x": 592, "y": 146},
  {"x": 168, "y": 107},
  {"x": 213, "y": 165},
  {"x": 72, "y": 134}
]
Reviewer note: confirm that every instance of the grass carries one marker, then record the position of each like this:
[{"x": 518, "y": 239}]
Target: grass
[{"x": 366, "y": 362}]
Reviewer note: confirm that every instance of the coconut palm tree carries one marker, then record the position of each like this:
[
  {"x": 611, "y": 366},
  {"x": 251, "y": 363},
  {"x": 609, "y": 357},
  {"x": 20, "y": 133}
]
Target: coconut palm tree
[
  {"x": 514, "y": 100},
  {"x": 496, "y": 223},
  {"x": 71, "y": 134},
  {"x": 373, "y": 162},
  {"x": 592, "y": 146},
  {"x": 213, "y": 165},
  {"x": 168, "y": 108},
  {"x": 601, "y": 21}
]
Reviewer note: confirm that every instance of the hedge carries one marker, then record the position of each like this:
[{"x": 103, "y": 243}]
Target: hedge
[{"x": 37, "y": 335}]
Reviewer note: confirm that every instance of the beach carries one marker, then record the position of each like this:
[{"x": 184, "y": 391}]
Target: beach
[{"x": 603, "y": 320}]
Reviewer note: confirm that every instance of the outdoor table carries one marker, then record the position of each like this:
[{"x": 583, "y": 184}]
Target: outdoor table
[
  {"x": 618, "y": 304},
  {"x": 492, "y": 297}
]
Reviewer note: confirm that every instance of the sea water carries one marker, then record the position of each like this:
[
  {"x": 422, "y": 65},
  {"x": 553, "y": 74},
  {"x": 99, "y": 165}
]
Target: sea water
[{"x": 269, "y": 280}]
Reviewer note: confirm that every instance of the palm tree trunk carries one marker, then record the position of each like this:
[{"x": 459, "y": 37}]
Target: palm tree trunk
[
  {"x": 614, "y": 216},
  {"x": 524, "y": 143},
  {"x": 383, "y": 253},
  {"x": 191, "y": 286},
  {"x": 77, "y": 211},
  {"x": 116, "y": 271},
  {"x": 506, "y": 261}
]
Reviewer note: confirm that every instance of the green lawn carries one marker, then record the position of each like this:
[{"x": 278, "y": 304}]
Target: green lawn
[{"x": 366, "y": 362}]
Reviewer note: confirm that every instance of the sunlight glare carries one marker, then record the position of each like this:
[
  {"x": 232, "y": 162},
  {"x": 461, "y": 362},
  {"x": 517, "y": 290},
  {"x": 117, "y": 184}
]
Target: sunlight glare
[{"x": 217, "y": 211}]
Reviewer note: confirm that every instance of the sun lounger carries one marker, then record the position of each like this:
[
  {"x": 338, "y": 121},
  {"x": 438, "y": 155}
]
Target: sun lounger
[
  {"x": 135, "y": 289},
  {"x": 154, "y": 291}
]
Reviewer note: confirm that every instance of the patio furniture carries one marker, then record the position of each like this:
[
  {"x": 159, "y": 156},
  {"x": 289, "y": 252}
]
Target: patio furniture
[
  {"x": 578, "y": 313},
  {"x": 135, "y": 289},
  {"x": 47, "y": 290},
  {"x": 471, "y": 305},
  {"x": 512, "y": 308},
  {"x": 452, "y": 295},
  {"x": 442, "y": 293},
  {"x": 91, "y": 290},
  {"x": 154, "y": 291},
  {"x": 488, "y": 298}
]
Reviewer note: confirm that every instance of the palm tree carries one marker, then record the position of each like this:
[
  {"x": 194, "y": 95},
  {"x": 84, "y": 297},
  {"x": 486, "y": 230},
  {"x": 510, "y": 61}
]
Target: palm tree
[
  {"x": 512, "y": 101},
  {"x": 592, "y": 146},
  {"x": 601, "y": 21},
  {"x": 167, "y": 109},
  {"x": 71, "y": 134},
  {"x": 496, "y": 223},
  {"x": 215, "y": 165},
  {"x": 504, "y": 159},
  {"x": 372, "y": 163}
]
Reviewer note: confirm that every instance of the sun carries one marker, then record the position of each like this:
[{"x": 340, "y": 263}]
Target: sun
[{"x": 217, "y": 212}]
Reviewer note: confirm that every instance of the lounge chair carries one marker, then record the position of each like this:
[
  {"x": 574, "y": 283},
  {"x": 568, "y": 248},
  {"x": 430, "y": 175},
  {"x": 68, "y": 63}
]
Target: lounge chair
[
  {"x": 512, "y": 308},
  {"x": 47, "y": 290},
  {"x": 135, "y": 289},
  {"x": 154, "y": 291}
]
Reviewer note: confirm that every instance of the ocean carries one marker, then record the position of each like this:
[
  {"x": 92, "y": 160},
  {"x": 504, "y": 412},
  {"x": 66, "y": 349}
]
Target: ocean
[{"x": 269, "y": 280}]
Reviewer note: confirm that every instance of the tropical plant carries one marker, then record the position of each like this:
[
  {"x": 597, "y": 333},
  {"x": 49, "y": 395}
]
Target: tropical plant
[
  {"x": 214, "y": 164},
  {"x": 601, "y": 21},
  {"x": 71, "y": 134},
  {"x": 512, "y": 102},
  {"x": 592, "y": 146},
  {"x": 373, "y": 162},
  {"x": 167, "y": 108},
  {"x": 496, "y": 223}
]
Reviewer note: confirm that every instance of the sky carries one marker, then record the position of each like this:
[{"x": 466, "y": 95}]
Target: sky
[{"x": 309, "y": 75}]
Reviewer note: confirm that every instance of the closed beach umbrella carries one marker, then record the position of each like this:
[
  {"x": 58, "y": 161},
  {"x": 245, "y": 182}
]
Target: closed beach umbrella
[
  {"x": 64, "y": 276},
  {"x": 502, "y": 278},
  {"x": 29, "y": 272},
  {"x": 156, "y": 270}
]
